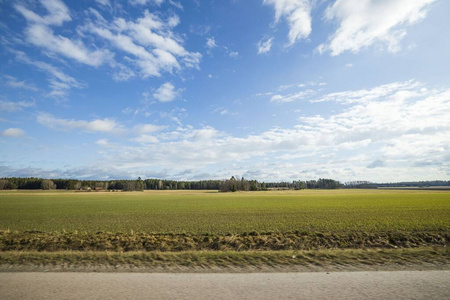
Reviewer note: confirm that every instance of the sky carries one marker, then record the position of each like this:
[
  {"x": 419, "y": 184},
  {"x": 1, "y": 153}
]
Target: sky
[{"x": 272, "y": 90}]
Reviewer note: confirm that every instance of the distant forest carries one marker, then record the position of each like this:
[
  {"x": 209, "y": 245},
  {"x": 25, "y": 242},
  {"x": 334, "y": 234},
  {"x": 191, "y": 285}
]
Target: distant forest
[{"x": 231, "y": 185}]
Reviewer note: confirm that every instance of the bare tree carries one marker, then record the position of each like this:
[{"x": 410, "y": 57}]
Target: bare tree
[
  {"x": 47, "y": 184},
  {"x": 3, "y": 183}
]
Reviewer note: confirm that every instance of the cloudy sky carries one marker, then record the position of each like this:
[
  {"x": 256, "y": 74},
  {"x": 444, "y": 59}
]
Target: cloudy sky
[{"x": 266, "y": 89}]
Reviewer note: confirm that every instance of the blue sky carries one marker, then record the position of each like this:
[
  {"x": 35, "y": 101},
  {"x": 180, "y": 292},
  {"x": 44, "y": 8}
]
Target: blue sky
[{"x": 269, "y": 90}]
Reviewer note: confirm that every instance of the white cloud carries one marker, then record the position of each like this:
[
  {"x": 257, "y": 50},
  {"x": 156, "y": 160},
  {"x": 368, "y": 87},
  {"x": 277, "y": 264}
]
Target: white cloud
[
  {"x": 234, "y": 54},
  {"x": 173, "y": 21},
  {"x": 297, "y": 14},
  {"x": 363, "y": 23},
  {"x": 103, "y": 2},
  {"x": 314, "y": 88},
  {"x": 106, "y": 125},
  {"x": 349, "y": 65},
  {"x": 58, "y": 13},
  {"x": 148, "y": 128},
  {"x": 368, "y": 95},
  {"x": 13, "y": 132},
  {"x": 264, "y": 45},
  {"x": 38, "y": 33},
  {"x": 144, "y": 2},
  {"x": 391, "y": 115},
  {"x": 145, "y": 139},
  {"x": 59, "y": 82},
  {"x": 376, "y": 164},
  {"x": 199, "y": 29},
  {"x": 387, "y": 129},
  {"x": 211, "y": 43},
  {"x": 263, "y": 94},
  {"x": 397, "y": 130},
  {"x": 43, "y": 36},
  {"x": 83, "y": 173},
  {"x": 292, "y": 97},
  {"x": 122, "y": 72},
  {"x": 176, "y": 4},
  {"x": 166, "y": 93},
  {"x": 149, "y": 39},
  {"x": 12, "y": 81},
  {"x": 149, "y": 44},
  {"x": 97, "y": 125},
  {"x": 175, "y": 115},
  {"x": 223, "y": 111},
  {"x": 15, "y": 106},
  {"x": 102, "y": 142}
]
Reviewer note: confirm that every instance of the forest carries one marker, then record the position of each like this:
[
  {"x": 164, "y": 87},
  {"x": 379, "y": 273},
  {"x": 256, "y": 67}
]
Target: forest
[{"x": 230, "y": 185}]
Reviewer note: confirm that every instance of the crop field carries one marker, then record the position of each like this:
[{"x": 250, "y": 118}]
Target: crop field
[
  {"x": 210, "y": 212},
  {"x": 172, "y": 230}
]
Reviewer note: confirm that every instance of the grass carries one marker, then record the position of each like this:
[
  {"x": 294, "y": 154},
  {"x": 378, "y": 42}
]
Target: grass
[
  {"x": 197, "y": 229},
  {"x": 310, "y": 260},
  {"x": 42, "y": 241},
  {"x": 206, "y": 212}
]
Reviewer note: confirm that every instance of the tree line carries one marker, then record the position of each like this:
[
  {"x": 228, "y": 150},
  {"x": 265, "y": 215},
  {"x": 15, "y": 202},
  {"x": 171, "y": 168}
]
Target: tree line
[
  {"x": 405, "y": 184},
  {"x": 32, "y": 183},
  {"x": 231, "y": 185}
]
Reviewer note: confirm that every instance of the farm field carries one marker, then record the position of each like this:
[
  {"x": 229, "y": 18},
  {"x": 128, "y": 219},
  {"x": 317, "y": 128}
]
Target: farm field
[
  {"x": 210, "y": 212},
  {"x": 194, "y": 230}
]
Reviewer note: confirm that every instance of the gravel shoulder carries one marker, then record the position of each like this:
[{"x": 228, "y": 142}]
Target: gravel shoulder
[{"x": 316, "y": 285}]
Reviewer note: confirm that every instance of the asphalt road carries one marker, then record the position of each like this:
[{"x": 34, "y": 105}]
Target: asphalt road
[{"x": 334, "y": 285}]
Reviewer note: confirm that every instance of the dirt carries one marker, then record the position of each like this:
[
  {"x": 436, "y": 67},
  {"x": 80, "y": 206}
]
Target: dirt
[{"x": 281, "y": 285}]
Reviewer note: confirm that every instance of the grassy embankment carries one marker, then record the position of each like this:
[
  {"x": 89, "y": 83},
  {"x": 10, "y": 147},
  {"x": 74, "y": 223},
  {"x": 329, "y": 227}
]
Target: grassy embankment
[
  {"x": 223, "y": 228},
  {"x": 317, "y": 260}
]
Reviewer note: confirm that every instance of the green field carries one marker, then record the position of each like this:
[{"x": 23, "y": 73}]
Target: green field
[
  {"x": 172, "y": 230},
  {"x": 200, "y": 212}
]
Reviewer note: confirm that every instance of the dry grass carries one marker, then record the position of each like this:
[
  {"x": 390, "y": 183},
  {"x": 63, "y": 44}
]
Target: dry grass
[
  {"x": 148, "y": 261},
  {"x": 74, "y": 241}
]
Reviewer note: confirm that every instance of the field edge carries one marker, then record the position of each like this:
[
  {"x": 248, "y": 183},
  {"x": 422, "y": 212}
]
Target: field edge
[
  {"x": 252, "y": 241},
  {"x": 423, "y": 258}
]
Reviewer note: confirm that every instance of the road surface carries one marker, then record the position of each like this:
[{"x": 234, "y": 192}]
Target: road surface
[{"x": 334, "y": 285}]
